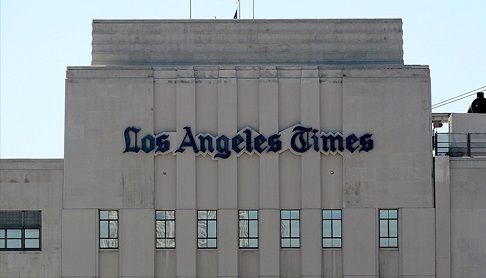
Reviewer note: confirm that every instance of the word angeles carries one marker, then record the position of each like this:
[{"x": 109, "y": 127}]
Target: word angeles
[{"x": 298, "y": 139}]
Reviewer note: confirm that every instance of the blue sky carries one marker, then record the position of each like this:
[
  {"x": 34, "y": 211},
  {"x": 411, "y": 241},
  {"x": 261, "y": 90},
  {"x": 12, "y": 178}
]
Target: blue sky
[{"x": 40, "y": 38}]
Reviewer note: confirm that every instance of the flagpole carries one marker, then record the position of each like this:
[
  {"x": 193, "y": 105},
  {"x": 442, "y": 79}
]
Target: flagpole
[
  {"x": 239, "y": 9},
  {"x": 190, "y": 9},
  {"x": 253, "y": 9}
]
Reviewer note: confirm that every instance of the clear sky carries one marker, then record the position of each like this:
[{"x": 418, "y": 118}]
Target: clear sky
[{"x": 40, "y": 38}]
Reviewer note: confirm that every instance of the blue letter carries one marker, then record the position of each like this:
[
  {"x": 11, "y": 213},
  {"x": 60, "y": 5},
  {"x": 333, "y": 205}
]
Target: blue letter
[
  {"x": 350, "y": 140},
  {"x": 222, "y": 146},
  {"x": 128, "y": 148},
  {"x": 163, "y": 144},
  {"x": 366, "y": 143},
  {"x": 190, "y": 143},
  {"x": 274, "y": 143},
  {"x": 302, "y": 134}
]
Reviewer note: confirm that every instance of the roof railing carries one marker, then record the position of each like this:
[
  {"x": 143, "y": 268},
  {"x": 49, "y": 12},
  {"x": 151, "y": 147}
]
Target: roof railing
[{"x": 460, "y": 144}]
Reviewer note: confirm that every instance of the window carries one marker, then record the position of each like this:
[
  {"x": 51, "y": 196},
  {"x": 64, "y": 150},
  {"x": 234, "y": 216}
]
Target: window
[
  {"x": 290, "y": 228},
  {"x": 248, "y": 228},
  {"x": 331, "y": 228},
  {"x": 20, "y": 230},
  {"x": 108, "y": 229},
  {"x": 165, "y": 229},
  {"x": 388, "y": 228},
  {"x": 206, "y": 229}
]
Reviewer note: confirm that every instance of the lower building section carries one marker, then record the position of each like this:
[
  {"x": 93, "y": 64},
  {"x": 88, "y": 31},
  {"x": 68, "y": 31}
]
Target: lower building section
[{"x": 445, "y": 241}]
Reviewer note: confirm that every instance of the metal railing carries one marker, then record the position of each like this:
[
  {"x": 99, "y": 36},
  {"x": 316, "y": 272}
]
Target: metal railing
[{"x": 460, "y": 144}]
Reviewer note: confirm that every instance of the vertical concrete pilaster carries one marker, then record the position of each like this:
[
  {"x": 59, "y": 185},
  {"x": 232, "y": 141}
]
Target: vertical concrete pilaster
[
  {"x": 442, "y": 217},
  {"x": 185, "y": 177},
  {"x": 269, "y": 183},
  {"x": 311, "y": 184},
  {"x": 227, "y": 178}
]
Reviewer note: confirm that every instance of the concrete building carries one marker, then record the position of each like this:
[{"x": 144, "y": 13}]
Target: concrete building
[{"x": 246, "y": 148}]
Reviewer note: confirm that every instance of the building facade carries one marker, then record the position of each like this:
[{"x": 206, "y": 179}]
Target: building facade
[{"x": 259, "y": 148}]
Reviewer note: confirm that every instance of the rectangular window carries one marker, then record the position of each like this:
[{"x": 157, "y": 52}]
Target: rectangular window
[
  {"x": 108, "y": 229},
  {"x": 388, "y": 228},
  {"x": 165, "y": 229},
  {"x": 20, "y": 230},
  {"x": 289, "y": 228},
  {"x": 248, "y": 228},
  {"x": 206, "y": 229},
  {"x": 331, "y": 228}
]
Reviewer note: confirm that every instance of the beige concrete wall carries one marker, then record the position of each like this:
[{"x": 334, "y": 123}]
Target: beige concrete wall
[
  {"x": 221, "y": 100},
  {"x": 468, "y": 221},
  {"x": 254, "y": 42},
  {"x": 27, "y": 184},
  {"x": 467, "y": 123}
]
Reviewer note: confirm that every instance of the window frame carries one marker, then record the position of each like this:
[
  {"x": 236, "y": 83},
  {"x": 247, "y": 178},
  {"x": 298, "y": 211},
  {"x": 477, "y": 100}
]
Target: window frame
[
  {"x": 388, "y": 237},
  {"x": 22, "y": 227},
  {"x": 117, "y": 220},
  {"x": 248, "y": 220},
  {"x": 290, "y": 237},
  {"x": 206, "y": 220},
  {"x": 332, "y": 237},
  {"x": 165, "y": 220}
]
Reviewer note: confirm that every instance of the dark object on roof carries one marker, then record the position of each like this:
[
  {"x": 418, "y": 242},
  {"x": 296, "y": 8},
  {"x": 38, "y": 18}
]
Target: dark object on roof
[{"x": 478, "y": 105}]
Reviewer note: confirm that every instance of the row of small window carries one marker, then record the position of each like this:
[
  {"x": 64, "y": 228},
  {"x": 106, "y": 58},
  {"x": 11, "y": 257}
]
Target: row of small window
[{"x": 165, "y": 223}]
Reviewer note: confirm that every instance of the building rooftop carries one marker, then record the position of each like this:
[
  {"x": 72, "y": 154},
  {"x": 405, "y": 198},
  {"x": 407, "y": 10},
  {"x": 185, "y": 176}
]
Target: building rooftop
[{"x": 248, "y": 42}]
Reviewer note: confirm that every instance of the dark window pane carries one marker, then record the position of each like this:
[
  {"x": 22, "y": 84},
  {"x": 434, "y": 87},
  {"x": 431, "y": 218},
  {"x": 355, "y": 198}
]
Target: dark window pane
[
  {"x": 10, "y": 219},
  {"x": 32, "y": 219},
  {"x": 2, "y": 233}
]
